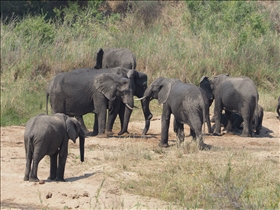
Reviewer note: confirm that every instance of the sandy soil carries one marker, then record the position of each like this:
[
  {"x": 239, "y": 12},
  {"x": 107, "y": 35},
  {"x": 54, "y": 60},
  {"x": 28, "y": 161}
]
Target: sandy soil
[{"x": 88, "y": 185}]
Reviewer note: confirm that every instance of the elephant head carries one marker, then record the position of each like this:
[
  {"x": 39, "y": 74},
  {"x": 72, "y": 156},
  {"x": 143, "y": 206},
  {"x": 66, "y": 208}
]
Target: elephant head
[
  {"x": 112, "y": 85},
  {"x": 205, "y": 84},
  {"x": 73, "y": 128},
  {"x": 158, "y": 89}
]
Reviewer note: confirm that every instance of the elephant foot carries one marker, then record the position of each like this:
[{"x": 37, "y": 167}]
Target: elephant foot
[
  {"x": 103, "y": 135},
  {"x": 34, "y": 179},
  {"x": 59, "y": 179},
  {"x": 217, "y": 134},
  {"x": 26, "y": 178},
  {"x": 246, "y": 135},
  {"x": 109, "y": 133},
  {"x": 123, "y": 132},
  {"x": 163, "y": 145},
  {"x": 51, "y": 178}
]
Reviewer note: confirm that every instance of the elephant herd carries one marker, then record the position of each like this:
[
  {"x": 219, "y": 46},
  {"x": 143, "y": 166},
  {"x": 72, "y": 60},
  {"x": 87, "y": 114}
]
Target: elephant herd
[{"x": 107, "y": 90}]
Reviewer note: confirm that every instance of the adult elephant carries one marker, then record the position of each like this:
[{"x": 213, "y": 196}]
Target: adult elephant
[
  {"x": 182, "y": 100},
  {"x": 117, "y": 107},
  {"x": 115, "y": 57},
  {"x": 49, "y": 135},
  {"x": 83, "y": 91},
  {"x": 233, "y": 94}
]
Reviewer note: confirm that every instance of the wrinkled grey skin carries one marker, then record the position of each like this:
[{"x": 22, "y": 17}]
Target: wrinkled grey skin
[
  {"x": 49, "y": 135},
  {"x": 278, "y": 108},
  {"x": 83, "y": 91},
  {"x": 237, "y": 120},
  {"x": 115, "y": 57},
  {"x": 233, "y": 94},
  {"x": 117, "y": 107},
  {"x": 207, "y": 101},
  {"x": 182, "y": 100}
]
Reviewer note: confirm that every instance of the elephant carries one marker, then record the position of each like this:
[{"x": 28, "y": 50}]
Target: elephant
[
  {"x": 232, "y": 94},
  {"x": 83, "y": 91},
  {"x": 237, "y": 120},
  {"x": 117, "y": 107},
  {"x": 115, "y": 57},
  {"x": 184, "y": 101},
  {"x": 49, "y": 135},
  {"x": 208, "y": 102},
  {"x": 278, "y": 108}
]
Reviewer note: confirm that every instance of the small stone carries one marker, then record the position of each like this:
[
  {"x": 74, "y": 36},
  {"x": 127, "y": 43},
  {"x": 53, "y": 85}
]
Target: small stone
[
  {"x": 85, "y": 194},
  {"x": 49, "y": 195},
  {"x": 64, "y": 194},
  {"x": 41, "y": 182},
  {"x": 62, "y": 202}
]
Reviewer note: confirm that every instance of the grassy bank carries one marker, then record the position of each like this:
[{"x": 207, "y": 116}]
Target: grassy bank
[{"x": 188, "y": 42}]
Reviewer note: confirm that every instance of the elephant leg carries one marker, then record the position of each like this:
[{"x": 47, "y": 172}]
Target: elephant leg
[
  {"x": 101, "y": 117},
  {"x": 165, "y": 122},
  {"x": 192, "y": 133},
  {"x": 95, "y": 126},
  {"x": 113, "y": 111},
  {"x": 228, "y": 119},
  {"x": 53, "y": 166},
  {"x": 61, "y": 164},
  {"x": 28, "y": 166},
  {"x": 34, "y": 169},
  {"x": 179, "y": 132},
  {"x": 217, "y": 114},
  {"x": 247, "y": 128},
  {"x": 83, "y": 126},
  {"x": 125, "y": 114}
]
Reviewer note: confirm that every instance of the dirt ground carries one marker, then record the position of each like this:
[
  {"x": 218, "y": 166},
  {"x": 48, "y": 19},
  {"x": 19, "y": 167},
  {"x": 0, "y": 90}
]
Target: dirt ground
[{"x": 87, "y": 186}]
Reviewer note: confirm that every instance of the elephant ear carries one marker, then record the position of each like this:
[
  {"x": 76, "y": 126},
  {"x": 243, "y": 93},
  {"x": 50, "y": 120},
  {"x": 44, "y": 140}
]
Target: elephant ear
[
  {"x": 72, "y": 128},
  {"x": 164, "y": 91},
  {"x": 106, "y": 85}
]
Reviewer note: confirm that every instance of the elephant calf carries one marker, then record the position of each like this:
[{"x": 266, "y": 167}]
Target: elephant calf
[
  {"x": 236, "y": 121},
  {"x": 49, "y": 135}
]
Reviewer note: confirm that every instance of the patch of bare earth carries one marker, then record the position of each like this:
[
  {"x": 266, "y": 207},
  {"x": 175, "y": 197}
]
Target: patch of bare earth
[{"x": 95, "y": 183}]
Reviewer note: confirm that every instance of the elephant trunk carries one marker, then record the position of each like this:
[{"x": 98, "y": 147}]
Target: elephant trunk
[
  {"x": 82, "y": 148},
  {"x": 145, "y": 102},
  {"x": 126, "y": 117}
]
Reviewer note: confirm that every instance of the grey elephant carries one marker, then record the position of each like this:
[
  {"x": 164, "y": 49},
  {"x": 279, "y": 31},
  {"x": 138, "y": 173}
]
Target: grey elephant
[
  {"x": 49, "y": 135},
  {"x": 278, "y": 108},
  {"x": 184, "y": 101},
  {"x": 83, "y": 91},
  {"x": 208, "y": 99},
  {"x": 117, "y": 107},
  {"x": 232, "y": 94},
  {"x": 115, "y": 57},
  {"x": 237, "y": 120}
]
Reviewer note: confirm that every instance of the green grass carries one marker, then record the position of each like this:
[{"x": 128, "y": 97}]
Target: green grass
[{"x": 185, "y": 46}]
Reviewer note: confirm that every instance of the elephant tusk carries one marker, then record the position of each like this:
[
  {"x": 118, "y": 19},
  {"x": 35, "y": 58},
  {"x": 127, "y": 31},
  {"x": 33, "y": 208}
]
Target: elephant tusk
[
  {"x": 129, "y": 106},
  {"x": 139, "y": 99}
]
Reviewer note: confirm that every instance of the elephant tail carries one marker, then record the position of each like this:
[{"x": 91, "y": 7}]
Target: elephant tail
[{"x": 47, "y": 99}]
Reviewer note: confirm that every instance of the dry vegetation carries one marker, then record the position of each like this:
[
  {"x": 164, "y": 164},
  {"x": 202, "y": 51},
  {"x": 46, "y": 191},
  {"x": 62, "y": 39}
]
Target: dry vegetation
[{"x": 170, "y": 40}]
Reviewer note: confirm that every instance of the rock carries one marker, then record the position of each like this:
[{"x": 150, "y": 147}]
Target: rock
[
  {"x": 41, "y": 182},
  {"x": 49, "y": 195}
]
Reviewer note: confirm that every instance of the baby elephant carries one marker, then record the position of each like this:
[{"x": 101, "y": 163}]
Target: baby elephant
[
  {"x": 49, "y": 135},
  {"x": 237, "y": 120}
]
